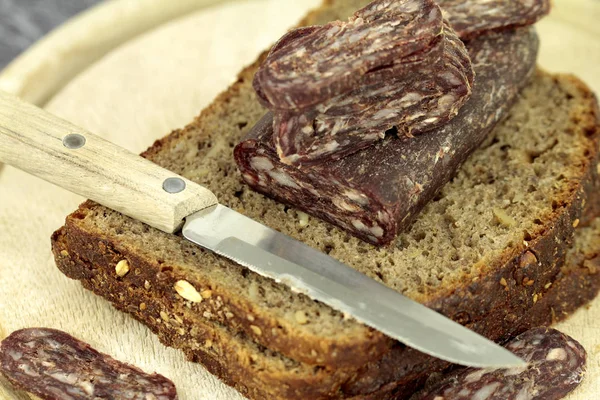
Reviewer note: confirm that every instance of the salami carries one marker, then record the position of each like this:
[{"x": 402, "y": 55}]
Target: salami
[
  {"x": 337, "y": 89},
  {"x": 55, "y": 366},
  {"x": 395, "y": 66},
  {"x": 311, "y": 65},
  {"x": 377, "y": 192},
  {"x": 471, "y": 18},
  {"x": 410, "y": 97},
  {"x": 556, "y": 367}
]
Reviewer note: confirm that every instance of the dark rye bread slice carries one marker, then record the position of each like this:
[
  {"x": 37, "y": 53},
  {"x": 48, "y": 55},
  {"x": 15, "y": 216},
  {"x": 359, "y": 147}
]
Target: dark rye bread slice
[
  {"x": 97, "y": 238},
  {"x": 542, "y": 160},
  {"x": 202, "y": 152},
  {"x": 262, "y": 374},
  {"x": 271, "y": 314}
]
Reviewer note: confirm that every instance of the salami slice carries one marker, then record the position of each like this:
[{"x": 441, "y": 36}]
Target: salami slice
[
  {"x": 55, "y": 366},
  {"x": 471, "y": 18},
  {"x": 377, "y": 192},
  {"x": 395, "y": 65},
  {"x": 338, "y": 88},
  {"x": 312, "y": 65},
  {"x": 556, "y": 367},
  {"x": 411, "y": 97}
]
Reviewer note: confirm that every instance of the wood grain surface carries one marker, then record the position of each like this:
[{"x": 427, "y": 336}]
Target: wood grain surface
[{"x": 159, "y": 82}]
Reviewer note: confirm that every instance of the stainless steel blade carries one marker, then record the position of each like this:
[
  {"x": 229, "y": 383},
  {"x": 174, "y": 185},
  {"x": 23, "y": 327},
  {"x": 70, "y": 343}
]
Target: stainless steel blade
[{"x": 321, "y": 277}]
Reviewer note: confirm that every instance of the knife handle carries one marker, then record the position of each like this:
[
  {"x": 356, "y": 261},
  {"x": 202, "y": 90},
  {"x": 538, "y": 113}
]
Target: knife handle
[{"x": 62, "y": 153}]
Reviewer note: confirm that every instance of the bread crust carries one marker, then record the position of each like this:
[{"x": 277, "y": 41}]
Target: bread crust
[{"x": 222, "y": 353}]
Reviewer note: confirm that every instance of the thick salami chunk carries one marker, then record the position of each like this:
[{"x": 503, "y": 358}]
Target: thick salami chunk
[
  {"x": 556, "y": 367},
  {"x": 409, "y": 97},
  {"x": 471, "y": 18},
  {"x": 377, "y": 192},
  {"x": 337, "y": 89},
  {"x": 312, "y": 65},
  {"x": 55, "y": 366}
]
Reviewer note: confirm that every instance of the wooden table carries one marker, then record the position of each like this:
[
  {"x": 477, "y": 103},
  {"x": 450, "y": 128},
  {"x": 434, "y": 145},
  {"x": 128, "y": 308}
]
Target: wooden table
[{"x": 139, "y": 92}]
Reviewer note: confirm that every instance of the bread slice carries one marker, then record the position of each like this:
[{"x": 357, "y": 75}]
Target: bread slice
[
  {"x": 202, "y": 152},
  {"x": 541, "y": 159},
  {"x": 262, "y": 374},
  {"x": 484, "y": 252}
]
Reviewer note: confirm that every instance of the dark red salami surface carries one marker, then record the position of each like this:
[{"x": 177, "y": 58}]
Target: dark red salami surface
[
  {"x": 312, "y": 65},
  {"x": 338, "y": 88},
  {"x": 377, "y": 192},
  {"x": 413, "y": 97},
  {"x": 556, "y": 367},
  {"x": 55, "y": 366},
  {"x": 471, "y": 18}
]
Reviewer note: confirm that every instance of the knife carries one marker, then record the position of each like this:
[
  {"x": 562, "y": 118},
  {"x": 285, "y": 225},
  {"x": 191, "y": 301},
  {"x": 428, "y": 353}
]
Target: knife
[{"x": 58, "y": 151}]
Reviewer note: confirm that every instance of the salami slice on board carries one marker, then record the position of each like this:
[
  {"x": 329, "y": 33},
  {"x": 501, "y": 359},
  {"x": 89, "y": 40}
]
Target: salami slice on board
[
  {"x": 56, "y": 366},
  {"x": 556, "y": 367},
  {"x": 377, "y": 192}
]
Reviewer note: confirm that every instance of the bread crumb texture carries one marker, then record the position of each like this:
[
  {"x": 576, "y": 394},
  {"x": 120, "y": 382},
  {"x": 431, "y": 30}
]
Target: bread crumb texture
[{"x": 508, "y": 192}]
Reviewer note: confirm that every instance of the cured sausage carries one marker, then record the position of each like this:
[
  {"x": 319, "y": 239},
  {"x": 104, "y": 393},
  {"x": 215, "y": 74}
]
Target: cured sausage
[
  {"x": 410, "y": 97},
  {"x": 556, "y": 367},
  {"x": 395, "y": 66},
  {"x": 56, "y": 366},
  {"x": 472, "y": 18},
  {"x": 338, "y": 88},
  {"x": 377, "y": 192},
  {"x": 311, "y": 65}
]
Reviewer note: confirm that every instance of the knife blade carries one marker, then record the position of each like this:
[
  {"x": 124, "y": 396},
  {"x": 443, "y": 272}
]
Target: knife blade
[{"x": 64, "y": 154}]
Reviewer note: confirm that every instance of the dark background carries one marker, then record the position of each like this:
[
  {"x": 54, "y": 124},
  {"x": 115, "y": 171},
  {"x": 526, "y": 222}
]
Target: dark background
[{"x": 23, "y": 22}]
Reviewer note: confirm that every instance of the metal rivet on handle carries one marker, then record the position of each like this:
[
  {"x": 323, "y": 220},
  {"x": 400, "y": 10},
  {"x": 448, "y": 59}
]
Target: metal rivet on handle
[
  {"x": 74, "y": 141},
  {"x": 173, "y": 185}
]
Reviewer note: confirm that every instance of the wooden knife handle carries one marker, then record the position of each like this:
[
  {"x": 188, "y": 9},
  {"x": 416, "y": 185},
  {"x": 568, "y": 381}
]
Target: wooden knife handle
[{"x": 59, "y": 152}]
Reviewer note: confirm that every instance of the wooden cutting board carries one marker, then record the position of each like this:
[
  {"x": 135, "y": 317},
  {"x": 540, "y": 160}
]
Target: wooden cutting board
[{"x": 159, "y": 82}]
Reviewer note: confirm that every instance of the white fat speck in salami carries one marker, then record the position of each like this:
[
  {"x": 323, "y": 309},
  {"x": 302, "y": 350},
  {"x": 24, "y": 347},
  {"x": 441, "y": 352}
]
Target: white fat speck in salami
[
  {"x": 557, "y": 354},
  {"x": 56, "y": 366},
  {"x": 556, "y": 367}
]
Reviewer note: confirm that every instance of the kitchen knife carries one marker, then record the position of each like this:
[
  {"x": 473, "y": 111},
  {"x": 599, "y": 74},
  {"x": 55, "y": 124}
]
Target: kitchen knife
[{"x": 64, "y": 154}]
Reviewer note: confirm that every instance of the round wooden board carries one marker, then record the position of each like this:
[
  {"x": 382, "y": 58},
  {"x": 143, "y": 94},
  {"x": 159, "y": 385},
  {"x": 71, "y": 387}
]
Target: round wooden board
[{"x": 158, "y": 82}]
